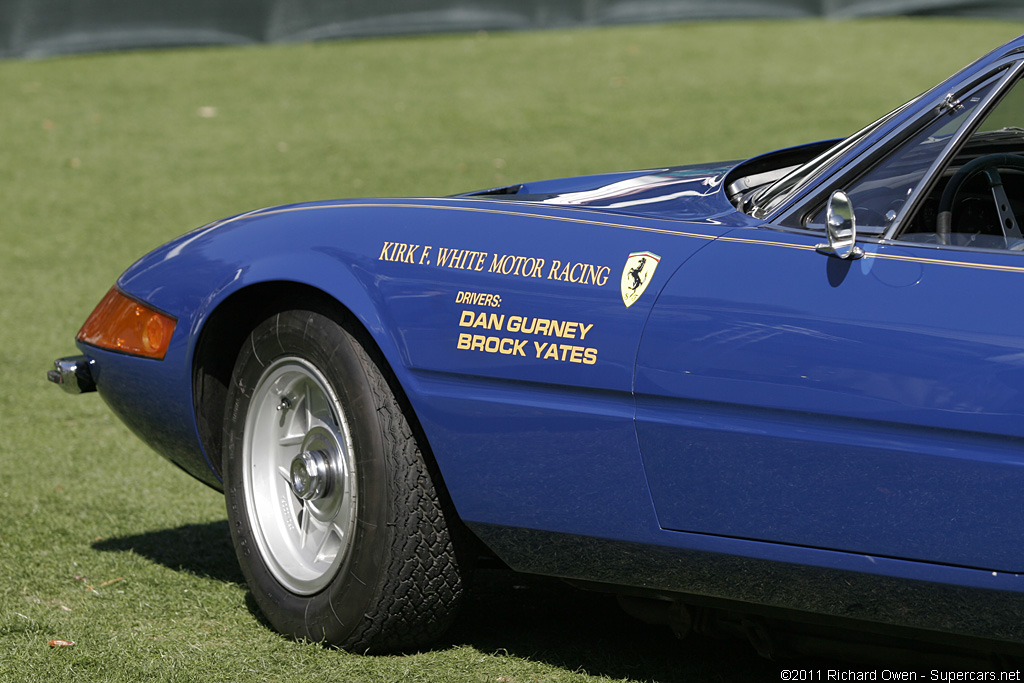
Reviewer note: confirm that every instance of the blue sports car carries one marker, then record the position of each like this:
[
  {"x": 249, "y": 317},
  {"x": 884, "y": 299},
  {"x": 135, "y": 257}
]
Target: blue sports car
[{"x": 791, "y": 386}]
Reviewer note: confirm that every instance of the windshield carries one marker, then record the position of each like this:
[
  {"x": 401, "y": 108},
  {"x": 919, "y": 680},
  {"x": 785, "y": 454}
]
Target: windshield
[{"x": 772, "y": 197}]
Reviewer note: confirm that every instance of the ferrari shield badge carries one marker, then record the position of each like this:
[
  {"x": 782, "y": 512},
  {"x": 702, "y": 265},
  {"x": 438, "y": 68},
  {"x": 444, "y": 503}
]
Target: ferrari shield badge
[{"x": 636, "y": 274}]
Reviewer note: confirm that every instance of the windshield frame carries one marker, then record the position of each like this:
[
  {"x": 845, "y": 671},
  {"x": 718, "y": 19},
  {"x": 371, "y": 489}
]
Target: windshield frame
[
  {"x": 771, "y": 198},
  {"x": 1003, "y": 75}
]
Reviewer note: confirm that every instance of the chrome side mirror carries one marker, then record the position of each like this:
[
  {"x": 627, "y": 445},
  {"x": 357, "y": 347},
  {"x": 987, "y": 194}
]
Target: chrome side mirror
[{"x": 841, "y": 228}]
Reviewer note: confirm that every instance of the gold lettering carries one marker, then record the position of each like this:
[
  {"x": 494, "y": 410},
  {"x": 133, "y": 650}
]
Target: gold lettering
[
  {"x": 508, "y": 264},
  {"x": 443, "y": 256},
  {"x": 553, "y": 273},
  {"x": 536, "y": 267},
  {"x": 462, "y": 259},
  {"x": 490, "y": 321},
  {"x": 503, "y": 264},
  {"x": 478, "y": 299},
  {"x": 580, "y": 273},
  {"x": 566, "y": 353},
  {"x": 515, "y": 346},
  {"x": 398, "y": 251},
  {"x": 503, "y": 345}
]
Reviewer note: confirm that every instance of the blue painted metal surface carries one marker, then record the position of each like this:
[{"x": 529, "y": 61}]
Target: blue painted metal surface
[
  {"x": 872, "y": 406},
  {"x": 647, "y": 360}
]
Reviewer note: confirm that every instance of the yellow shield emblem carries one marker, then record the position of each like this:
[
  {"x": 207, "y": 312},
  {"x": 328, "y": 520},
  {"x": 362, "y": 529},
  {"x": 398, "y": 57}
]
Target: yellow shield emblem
[{"x": 636, "y": 274}]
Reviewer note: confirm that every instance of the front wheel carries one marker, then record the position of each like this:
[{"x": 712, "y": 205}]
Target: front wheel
[{"x": 333, "y": 511}]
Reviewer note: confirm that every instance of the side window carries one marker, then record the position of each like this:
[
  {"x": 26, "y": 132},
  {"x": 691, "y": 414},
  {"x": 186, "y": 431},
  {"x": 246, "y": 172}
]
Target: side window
[
  {"x": 879, "y": 194},
  {"x": 979, "y": 195}
]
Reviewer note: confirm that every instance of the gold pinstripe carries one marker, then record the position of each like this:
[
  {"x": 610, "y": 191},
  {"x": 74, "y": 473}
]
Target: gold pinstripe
[{"x": 637, "y": 228}]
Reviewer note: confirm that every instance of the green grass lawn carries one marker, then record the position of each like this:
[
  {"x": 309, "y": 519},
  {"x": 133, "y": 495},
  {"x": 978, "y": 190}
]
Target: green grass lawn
[{"x": 104, "y": 157}]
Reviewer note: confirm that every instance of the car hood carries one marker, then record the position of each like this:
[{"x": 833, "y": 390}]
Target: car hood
[{"x": 680, "y": 192}]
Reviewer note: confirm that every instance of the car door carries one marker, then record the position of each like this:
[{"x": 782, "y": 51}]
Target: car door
[{"x": 871, "y": 405}]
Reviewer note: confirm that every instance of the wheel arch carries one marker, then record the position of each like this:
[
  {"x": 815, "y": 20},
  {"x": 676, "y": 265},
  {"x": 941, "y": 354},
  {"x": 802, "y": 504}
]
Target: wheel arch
[{"x": 225, "y": 330}]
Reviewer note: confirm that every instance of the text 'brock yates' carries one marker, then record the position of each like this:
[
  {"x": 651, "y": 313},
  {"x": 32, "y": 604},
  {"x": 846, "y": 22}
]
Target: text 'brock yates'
[
  {"x": 502, "y": 264},
  {"x": 517, "y": 346}
]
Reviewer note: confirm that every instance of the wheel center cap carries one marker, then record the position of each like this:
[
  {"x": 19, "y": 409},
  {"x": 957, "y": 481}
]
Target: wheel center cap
[
  {"x": 310, "y": 475},
  {"x": 318, "y": 472}
]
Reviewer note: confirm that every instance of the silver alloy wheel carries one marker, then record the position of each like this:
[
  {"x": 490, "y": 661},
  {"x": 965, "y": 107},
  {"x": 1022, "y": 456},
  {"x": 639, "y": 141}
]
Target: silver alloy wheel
[{"x": 298, "y": 473}]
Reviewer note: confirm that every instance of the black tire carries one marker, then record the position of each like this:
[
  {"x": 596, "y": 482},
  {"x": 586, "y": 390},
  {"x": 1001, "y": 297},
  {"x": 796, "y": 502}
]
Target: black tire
[{"x": 393, "y": 581}]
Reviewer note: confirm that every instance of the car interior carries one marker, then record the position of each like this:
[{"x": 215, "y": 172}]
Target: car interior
[{"x": 976, "y": 199}]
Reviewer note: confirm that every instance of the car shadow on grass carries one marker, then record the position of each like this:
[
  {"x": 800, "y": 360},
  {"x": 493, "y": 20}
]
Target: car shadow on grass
[
  {"x": 201, "y": 549},
  {"x": 509, "y": 614},
  {"x": 505, "y": 613},
  {"x": 547, "y": 620}
]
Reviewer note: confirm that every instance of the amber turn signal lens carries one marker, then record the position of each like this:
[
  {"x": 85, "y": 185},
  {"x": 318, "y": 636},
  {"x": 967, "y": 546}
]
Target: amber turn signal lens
[{"x": 120, "y": 323}]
